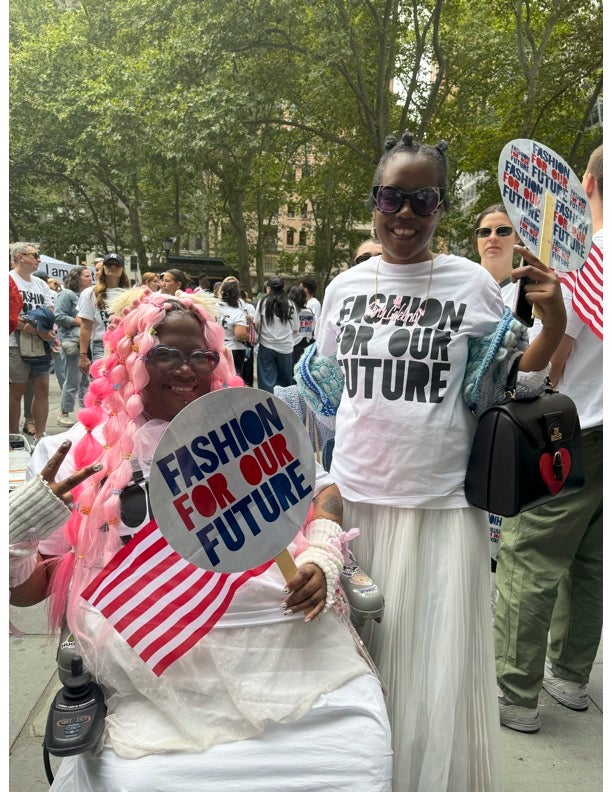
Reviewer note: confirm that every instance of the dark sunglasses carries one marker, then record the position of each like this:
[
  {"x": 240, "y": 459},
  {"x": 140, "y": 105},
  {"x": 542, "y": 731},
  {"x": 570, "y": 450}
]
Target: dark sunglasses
[
  {"x": 363, "y": 257},
  {"x": 168, "y": 359},
  {"x": 424, "y": 202},
  {"x": 501, "y": 231},
  {"x": 34, "y": 255}
]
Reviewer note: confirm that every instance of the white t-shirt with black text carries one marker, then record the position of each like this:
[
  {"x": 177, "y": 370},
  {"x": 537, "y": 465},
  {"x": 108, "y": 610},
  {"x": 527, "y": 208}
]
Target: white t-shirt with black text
[
  {"x": 35, "y": 293},
  {"x": 87, "y": 309},
  {"x": 276, "y": 334},
  {"x": 403, "y": 430},
  {"x": 230, "y": 317}
]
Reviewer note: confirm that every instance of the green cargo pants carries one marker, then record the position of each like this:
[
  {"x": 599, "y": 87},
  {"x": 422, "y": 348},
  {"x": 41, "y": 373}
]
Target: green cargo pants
[{"x": 550, "y": 579}]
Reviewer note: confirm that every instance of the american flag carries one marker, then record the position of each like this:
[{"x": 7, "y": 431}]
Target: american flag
[
  {"x": 159, "y": 602},
  {"x": 586, "y": 286}
]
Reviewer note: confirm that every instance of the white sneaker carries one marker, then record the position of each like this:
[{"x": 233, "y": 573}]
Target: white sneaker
[
  {"x": 520, "y": 719},
  {"x": 64, "y": 419},
  {"x": 571, "y": 694}
]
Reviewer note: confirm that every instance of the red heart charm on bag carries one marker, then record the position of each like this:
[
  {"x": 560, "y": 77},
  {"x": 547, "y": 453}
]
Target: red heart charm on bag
[{"x": 547, "y": 470}]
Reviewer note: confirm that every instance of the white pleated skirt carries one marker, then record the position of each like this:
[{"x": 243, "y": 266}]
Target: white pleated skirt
[
  {"x": 342, "y": 744},
  {"x": 434, "y": 646}
]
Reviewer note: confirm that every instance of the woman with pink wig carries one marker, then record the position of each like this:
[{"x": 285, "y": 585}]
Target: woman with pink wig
[{"x": 277, "y": 694}]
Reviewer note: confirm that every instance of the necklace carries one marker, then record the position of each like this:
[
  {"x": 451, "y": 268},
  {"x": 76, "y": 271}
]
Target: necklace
[{"x": 399, "y": 311}]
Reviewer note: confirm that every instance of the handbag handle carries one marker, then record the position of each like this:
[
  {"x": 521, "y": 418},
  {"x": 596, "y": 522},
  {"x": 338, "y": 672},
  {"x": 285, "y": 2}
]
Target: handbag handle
[{"x": 512, "y": 375}]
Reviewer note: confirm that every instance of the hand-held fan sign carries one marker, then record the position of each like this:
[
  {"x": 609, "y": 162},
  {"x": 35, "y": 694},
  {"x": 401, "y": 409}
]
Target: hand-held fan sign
[
  {"x": 546, "y": 203},
  {"x": 232, "y": 480}
]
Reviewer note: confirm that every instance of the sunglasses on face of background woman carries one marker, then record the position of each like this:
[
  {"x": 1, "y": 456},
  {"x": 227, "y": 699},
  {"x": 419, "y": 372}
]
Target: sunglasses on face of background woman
[{"x": 500, "y": 231}]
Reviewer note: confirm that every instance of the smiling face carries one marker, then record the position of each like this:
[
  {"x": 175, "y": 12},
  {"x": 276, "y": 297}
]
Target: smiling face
[
  {"x": 495, "y": 251},
  {"x": 167, "y": 393},
  {"x": 405, "y": 236}
]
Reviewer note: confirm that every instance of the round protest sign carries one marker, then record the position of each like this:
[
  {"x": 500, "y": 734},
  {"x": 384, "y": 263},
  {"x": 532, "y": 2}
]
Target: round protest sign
[
  {"x": 232, "y": 479},
  {"x": 546, "y": 203}
]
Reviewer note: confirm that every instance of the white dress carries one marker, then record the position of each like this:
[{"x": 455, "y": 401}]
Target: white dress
[{"x": 403, "y": 435}]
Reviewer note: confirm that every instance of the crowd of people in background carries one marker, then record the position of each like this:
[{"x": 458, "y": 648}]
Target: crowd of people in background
[
  {"x": 78, "y": 316},
  {"x": 418, "y": 536}
]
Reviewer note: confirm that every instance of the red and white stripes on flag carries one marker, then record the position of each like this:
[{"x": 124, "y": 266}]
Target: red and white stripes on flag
[
  {"x": 586, "y": 286},
  {"x": 159, "y": 602}
]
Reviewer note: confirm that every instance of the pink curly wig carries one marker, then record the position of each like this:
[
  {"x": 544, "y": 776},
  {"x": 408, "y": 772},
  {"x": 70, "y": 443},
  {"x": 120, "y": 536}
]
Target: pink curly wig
[{"x": 113, "y": 411}]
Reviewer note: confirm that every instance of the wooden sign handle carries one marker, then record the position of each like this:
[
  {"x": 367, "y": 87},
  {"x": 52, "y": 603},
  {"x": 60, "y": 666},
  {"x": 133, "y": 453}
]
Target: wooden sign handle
[
  {"x": 547, "y": 229},
  {"x": 286, "y": 564},
  {"x": 546, "y": 236}
]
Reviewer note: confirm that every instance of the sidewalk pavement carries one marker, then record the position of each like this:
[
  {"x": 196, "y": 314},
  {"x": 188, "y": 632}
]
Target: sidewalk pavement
[{"x": 564, "y": 756}]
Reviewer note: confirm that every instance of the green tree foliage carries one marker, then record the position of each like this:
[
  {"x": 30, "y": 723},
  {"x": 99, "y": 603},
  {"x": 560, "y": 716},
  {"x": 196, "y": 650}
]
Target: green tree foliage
[{"x": 135, "y": 120}]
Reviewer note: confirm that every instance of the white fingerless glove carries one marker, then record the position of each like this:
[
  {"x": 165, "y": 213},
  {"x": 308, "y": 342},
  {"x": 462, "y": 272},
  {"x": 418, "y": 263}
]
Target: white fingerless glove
[
  {"x": 324, "y": 554},
  {"x": 531, "y": 383},
  {"x": 34, "y": 513}
]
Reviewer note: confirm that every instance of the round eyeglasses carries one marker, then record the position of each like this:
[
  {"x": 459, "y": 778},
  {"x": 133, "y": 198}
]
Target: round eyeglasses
[
  {"x": 424, "y": 202},
  {"x": 168, "y": 359},
  {"x": 501, "y": 231}
]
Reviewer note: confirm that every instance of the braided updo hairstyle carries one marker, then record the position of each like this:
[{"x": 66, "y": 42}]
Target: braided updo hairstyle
[
  {"x": 406, "y": 144},
  {"x": 114, "y": 409}
]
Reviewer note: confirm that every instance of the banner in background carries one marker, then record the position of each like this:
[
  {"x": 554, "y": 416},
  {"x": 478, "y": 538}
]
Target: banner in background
[{"x": 59, "y": 269}]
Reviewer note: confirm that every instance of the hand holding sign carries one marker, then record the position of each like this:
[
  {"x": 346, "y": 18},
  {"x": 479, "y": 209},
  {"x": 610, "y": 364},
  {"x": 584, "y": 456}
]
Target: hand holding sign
[
  {"x": 232, "y": 481},
  {"x": 546, "y": 203}
]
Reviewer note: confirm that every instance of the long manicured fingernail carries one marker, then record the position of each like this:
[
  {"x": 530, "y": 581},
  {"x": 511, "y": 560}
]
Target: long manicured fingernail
[
  {"x": 288, "y": 612},
  {"x": 98, "y": 467},
  {"x": 66, "y": 443},
  {"x": 283, "y": 606}
]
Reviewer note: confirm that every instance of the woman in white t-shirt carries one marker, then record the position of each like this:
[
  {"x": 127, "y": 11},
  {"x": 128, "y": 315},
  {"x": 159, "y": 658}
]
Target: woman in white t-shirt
[
  {"x": 246, "y": 372},
  {"x": 93, "y": 308},
  {"x": 305, "y": 334},
  {"x": 234, "y": 322},
  {"x": 411, "y": 329},
  {"x": 276, "y": 318}
]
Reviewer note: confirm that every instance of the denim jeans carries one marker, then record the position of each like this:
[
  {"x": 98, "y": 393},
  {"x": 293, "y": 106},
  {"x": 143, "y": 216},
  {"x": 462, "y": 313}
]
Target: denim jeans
[
  {"x": 273, "y": 368},
  {"x": 58, "y": 368},
  {"x": 75, "y": 383},
  {"x": 97, "y": 349}
]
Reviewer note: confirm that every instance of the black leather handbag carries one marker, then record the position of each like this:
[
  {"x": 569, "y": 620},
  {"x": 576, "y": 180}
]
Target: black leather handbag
[{"x": 525, "y": 453}]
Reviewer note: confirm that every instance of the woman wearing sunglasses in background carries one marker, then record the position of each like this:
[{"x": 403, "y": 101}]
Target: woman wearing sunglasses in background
[
  {"x": 496, "y": 239},
  {"x": 257, "y": 702},
  {"x": 401, "y": 325},
  {"x": 93, "y": 308},
  {"x": 365, "y": 250}
]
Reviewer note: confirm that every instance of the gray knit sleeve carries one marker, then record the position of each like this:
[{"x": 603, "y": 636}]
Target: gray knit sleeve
[{"x": 34, "y": 511}]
